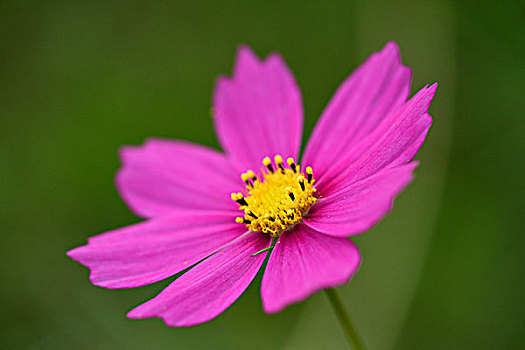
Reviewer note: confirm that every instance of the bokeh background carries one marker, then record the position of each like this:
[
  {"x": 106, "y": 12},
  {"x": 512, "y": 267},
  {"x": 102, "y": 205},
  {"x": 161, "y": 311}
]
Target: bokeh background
[{"x": 78, "y": 79}]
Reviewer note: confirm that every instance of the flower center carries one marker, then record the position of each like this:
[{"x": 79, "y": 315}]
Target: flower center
[{"x": 278, "y": 200}]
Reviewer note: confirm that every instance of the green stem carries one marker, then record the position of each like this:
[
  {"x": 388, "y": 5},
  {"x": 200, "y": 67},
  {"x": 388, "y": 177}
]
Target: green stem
[
  {"x": 344, "y": 319},
  {"x": 272, "y": 245},
  {"x": 263, "y": 250}
]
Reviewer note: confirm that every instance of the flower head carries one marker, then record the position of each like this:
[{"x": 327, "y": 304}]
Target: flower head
[
  {"x": 222, "y": 213},
  {"x": 278, "y": 200}
]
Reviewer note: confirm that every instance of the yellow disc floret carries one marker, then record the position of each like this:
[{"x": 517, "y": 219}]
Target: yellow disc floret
[{"x": 278, "y": 200}]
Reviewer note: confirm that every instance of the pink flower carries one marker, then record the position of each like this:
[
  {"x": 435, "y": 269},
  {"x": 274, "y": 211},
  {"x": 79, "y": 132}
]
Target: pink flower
[{"x": 202, "y": 210}]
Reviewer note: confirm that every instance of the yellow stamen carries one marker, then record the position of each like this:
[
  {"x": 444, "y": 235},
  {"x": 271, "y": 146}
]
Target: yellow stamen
[
  {"x": 291, "y": 164},
  {"x": 239, "y": 198},
  {"x": 309, "y": 173},
  {"x": 268, "y": 163},
  {"x": 279, "y": 162},
  {"x": 301, "y": 182},
  {"x": 277, "y": 200},
  {"x": 246, "y": 178}
]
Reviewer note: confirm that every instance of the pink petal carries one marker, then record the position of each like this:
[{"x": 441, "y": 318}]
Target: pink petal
[
  {"x": 394, "y": 142},
  {"x": 361, "y": 205},
  {"x": 378, "y": 86},
  {"x": 303, "y": 262},
  {"x": 258, "y": 112},
  {"x": 210, "y": 287},
  {"x": 164, "y": 175},
  {"x": 148, "y": 252}
]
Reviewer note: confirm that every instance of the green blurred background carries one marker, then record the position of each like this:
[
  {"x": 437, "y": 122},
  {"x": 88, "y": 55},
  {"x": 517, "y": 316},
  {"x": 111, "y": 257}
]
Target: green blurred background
[{"x": 78, "y": 79}]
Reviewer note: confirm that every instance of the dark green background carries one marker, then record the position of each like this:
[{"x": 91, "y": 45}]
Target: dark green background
[{"x": 79, "y": 79}]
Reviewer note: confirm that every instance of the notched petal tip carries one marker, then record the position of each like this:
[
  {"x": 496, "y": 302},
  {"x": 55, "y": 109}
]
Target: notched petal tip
[
  {"x": 393, "y": 47},
  {"x": 245, "y": 61},
  {"x": 137, "y": 313},
  {"x": 389, "y": 52},
  {"x": 433, "y": 88},
  {"x": 420, "y": 102},
  {"x": 127, "y": 152},
  {"x": 413, "y": 165},
  {"x": 244, "y": 51},
  {"x": 124, "y": 153},
  {"x": 275, "y": 59},
  {"x": 429, "y": 90},
  {"x": 276, "y": 62},
  {"x": 393, "y": 44},
  {"x": 75, "y": 253},
  {"x": 78, "y": 255}
]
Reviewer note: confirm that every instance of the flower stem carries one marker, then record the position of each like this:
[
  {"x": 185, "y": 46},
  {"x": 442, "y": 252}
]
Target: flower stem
[{"x": 354, "y": 340}]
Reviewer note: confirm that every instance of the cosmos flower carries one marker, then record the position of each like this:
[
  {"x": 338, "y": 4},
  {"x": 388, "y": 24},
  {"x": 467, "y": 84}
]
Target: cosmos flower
[{"x": 221, "y": 214}]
